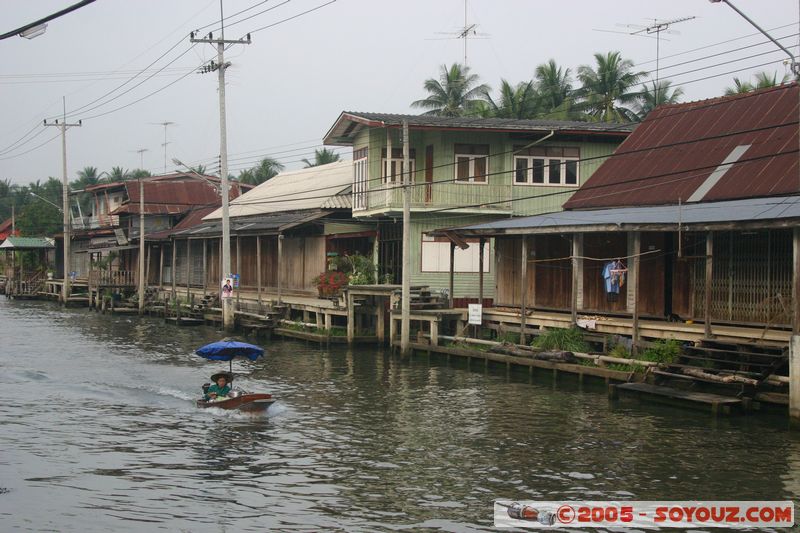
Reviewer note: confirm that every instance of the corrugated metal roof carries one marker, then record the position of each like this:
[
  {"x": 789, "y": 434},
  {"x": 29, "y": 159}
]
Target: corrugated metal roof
[
  {"x": 321, "y": 187},
  {"x": 747, "y": 210},
  {"x": 169, "y": 197},
  {"x": 193, "y": 218},
  {"x": 766, "y": 149},
  {"x": 272, "y": 223},
  {"x": 27, "y": 243},
  {"x": 350, "y": 122}
]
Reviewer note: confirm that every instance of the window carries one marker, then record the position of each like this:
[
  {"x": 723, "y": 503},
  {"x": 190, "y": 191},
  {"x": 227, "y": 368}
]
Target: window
[
  {"x": 550, "y": 165},
  {"x": 392, "y": 169},
  {"x": 436, "y": 256},
  {"x": 360, "y": 179},
  {"x": 472, "y": 163}
]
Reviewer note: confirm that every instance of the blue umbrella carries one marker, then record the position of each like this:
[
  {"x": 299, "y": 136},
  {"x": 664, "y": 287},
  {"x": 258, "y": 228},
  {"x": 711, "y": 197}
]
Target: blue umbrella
[{"x": 227, "y": 350}]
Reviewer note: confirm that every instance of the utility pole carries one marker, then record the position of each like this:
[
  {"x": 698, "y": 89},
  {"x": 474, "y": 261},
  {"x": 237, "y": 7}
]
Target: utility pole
[
  {"x": 227, "y": 303},
  {"x": 63, "y": 125},
  {"x": 405, "y": 306},
  {"x": 142, "y": 281}
]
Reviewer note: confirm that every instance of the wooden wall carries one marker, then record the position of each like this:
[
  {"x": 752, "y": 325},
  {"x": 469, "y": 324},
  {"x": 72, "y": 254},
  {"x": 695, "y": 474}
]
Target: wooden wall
[{"x": 605, "y": 247}]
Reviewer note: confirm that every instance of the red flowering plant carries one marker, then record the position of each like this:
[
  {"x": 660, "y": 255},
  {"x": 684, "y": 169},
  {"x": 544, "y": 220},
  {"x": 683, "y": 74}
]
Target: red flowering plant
[{"x": 330, "y": 283}]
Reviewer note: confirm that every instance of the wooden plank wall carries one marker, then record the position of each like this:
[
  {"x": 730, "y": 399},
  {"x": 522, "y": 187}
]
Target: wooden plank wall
[
  {"x": 603, "y": 246},
  {"x": 553, "y": 278}
]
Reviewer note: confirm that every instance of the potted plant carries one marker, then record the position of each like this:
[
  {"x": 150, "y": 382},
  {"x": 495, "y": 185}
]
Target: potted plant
[{"x": 330, "y": 283}]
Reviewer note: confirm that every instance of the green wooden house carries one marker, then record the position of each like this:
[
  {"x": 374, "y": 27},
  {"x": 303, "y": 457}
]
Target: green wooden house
[{"x": 465, "y": 170}]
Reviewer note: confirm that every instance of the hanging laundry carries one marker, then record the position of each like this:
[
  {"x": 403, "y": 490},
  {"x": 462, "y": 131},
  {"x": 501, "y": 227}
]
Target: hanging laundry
[{"x": 614, "y": 276}]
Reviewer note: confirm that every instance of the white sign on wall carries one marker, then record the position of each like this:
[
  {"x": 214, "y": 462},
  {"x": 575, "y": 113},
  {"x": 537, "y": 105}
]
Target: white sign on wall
[{"x": 475, "y": 312}]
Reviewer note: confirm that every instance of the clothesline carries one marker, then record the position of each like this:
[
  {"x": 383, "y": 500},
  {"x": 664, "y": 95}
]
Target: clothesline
[{"x": 594, "y": 258}]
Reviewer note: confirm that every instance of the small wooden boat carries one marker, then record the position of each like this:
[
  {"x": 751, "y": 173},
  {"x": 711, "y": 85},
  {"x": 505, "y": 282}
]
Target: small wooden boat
[{"x": 250, "y": 402}]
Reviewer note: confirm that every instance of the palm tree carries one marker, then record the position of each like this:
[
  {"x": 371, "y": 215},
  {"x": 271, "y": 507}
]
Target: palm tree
[
  {"x": 515, "y": 102},
  {"x": 267, "y": 169},
  {"x": 454, "y": 94},
  {"x": 322, "y": 157},
  {"x": 553, "y": 84},
  {"x": 605, "y": 92},
  {"x": 139, "y": 173},
  {"x": 763, "y": 81},
  {"x": 652, "y": 96},
  {"x": 88, "y": 176},
  {"x": 117, "y": 174}
]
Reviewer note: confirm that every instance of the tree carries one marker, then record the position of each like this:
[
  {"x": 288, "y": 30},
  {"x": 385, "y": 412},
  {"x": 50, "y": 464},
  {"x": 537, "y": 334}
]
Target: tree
[
  {"x": 40, "y": 216},
  {"x": 454, "y": 94},
  {"x": 553, "y": 84},
  {"x": 763, "y": 81},
  {"x": 117, "y": 174},
  {"x": 267, "y": 169},
  {"x": 515, "y": 102},
  {"x": 322, "y": 157},
  {"x": 139, "y": 173},
  {"x": 605, "y": 92},
  {"x": 200, "y": 169},
  {"x": 651, "y": 94}
]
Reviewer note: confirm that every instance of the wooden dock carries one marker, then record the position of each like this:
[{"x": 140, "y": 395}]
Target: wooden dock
[{"x": 719, "y": 405}]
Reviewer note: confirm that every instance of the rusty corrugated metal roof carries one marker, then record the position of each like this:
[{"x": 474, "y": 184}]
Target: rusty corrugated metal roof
[
  {"x": 193, "y": 218},
  {"x": 679, "y": 153}
]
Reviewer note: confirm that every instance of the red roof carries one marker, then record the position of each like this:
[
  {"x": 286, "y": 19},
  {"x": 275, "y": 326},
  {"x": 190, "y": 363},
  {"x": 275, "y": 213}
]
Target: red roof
[
  {"x": 169, "y": 197},
  {"x": 671, "y": 156},
  {"x": 193, "y": 218}
]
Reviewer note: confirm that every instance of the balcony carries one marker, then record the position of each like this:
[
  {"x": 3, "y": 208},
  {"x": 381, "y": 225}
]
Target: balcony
[
  {"x": 95, "y": 222},
  {"x": 457, "y": 197},
  {"x": 112, "y": 278}
]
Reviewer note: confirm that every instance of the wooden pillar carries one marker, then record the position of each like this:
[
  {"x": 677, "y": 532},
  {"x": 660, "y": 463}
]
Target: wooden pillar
[
  {"x": 205, "y": 266},
  {"x": 351, "y": 318},
  {"x": 576, "y": 251},
  {"x": 380, "y": 330},
  {"x": 637, "y": 249},
  {"x": 709, "y": 280},
  {"x": 258, "y": 268},
  {"x": 174, "y": 269},
  {"x": 239, "y": 268},
  {"x": 280, "y": 265},
  {"x": 89, "y": 279},
  {"x": 188, "y": 267},
  {"x": 796, "y": 281},
  {"x": 480, "y": 270},
  {"x": 435, "y": 331},
  {"x": 523, "y": 310},
  {"x": 147, "y": 267},
  {"x": 452, "y": 272},
  {"x": 794, "y": 380},
  {"x": 161, "y": 268}
]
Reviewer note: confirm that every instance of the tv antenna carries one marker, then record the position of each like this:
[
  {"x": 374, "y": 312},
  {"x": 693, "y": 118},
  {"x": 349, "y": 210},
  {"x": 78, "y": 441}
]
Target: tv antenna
[
  {"x": 657, "y": 27},
  {"x": 466, "y": 32},
  {"x": 165, "y": 124}
]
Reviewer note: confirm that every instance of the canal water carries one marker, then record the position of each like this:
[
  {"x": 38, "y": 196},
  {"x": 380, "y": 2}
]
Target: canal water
[{"x": 100, "y": 433}]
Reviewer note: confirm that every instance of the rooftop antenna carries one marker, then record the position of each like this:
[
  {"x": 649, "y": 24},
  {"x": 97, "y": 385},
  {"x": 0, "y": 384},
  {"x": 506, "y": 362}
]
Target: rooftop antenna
[
  {"x": 657, "y": 27},
  {"x": 166, "y": 124},
  {"x": 468, "y": 31},
  {"x": 141, "y": 152}
]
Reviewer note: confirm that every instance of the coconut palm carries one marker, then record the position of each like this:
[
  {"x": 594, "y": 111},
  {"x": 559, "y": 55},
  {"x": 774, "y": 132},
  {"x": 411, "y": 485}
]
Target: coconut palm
[
  {"x": 117, "y": 174},
  {"x": 454, "y": 94},
  {"x": 321, "y": 157},
  {"x": 763, "y": 81},
  {"x": 267, "y": 169},
  {"x": 139, "y": 173},
  {"x": 652, "y": 96},
  {"x": 605, "y": 92},
  {"x": 515, "y": 102},
  {"x": 553, "y": 84}
]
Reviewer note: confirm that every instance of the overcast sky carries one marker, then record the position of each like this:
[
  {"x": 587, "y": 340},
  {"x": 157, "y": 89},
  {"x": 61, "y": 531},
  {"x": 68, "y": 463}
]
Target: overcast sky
[{"x": 287, "y": 88}]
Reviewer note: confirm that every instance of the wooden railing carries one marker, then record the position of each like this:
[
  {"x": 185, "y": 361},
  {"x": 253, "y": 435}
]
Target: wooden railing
[
  {"x": 113, "y": 278},
  {"x": 437, "y": 195},
  {"x": 33, "y": 284}
]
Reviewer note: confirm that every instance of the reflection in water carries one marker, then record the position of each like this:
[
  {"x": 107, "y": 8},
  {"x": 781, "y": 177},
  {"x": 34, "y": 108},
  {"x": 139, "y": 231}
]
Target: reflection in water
[{"x": 100, "y": 433}]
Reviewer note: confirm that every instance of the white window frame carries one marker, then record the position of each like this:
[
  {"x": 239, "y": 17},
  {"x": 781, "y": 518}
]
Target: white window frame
[
  {"x": 360, "y": 183},
  {"x": 396, "y": 178},
  {"x": 547, "y": 161},
  {"x": 471, "y": 179}
]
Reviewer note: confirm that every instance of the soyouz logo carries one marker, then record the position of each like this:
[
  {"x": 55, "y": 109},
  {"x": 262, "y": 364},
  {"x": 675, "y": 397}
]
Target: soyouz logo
[{"x": 644, "y": 514}]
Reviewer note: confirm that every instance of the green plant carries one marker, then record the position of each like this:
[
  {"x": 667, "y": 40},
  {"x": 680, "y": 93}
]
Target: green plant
[
  {"x": 360, "y": 269},
  {"x": 569, "y": 340},
  {"x": 662, "y": 351},
  {"x": 619, "y": 350},
  {"x": 508, "y": 336}
]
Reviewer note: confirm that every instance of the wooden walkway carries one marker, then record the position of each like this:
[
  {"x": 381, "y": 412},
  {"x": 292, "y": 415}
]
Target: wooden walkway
[{"x": 718, "y": 404}]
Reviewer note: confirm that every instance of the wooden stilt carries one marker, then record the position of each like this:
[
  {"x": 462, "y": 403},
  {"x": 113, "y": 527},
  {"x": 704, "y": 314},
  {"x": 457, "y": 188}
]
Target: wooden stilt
[
  {"x": 523, "y": 311},
  {"x": 637, "y": 249},
  {"x": 709, "y": 281}
]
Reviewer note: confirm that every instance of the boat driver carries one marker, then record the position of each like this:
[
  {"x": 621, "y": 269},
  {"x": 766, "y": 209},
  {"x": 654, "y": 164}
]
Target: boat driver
[{"x": 221, "y": 386}]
